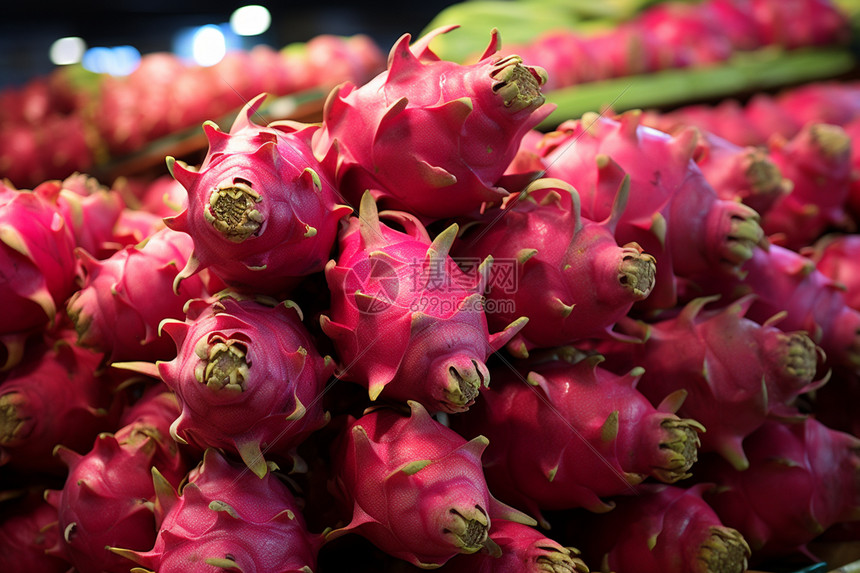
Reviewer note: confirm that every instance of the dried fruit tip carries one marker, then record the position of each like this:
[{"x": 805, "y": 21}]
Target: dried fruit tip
[
  {"x": 518, "y": 85},
  {"x": 469, "y": 532},
  {"x": 13, "y": 424},
  {"x": 464, "y": 378},
  {"x": 744, "y": 233},
  {"x": 233, "y": 211},
  {"x": 224, "y": 366},
  {"x": 725, "y": 551},
  {"x": 799, "y": 355},
  {"x": 765, "y": 178},
  {"x": 680, "y": 449},
  {"x": 637, "y": 271},
  {"x": 560, "y": 560}
]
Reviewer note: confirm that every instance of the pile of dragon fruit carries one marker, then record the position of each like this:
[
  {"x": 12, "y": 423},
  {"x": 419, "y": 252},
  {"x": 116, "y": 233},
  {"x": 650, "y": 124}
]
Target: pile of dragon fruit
[{"x": 424, "y": 334}]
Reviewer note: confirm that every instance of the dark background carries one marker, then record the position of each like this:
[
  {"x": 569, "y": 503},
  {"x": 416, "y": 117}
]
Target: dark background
[{"x": 29, "y": 27}]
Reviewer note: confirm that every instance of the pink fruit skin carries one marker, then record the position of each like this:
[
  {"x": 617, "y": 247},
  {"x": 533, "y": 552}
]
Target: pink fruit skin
[
  {"x": 783, "y": 280},
  {"x": 25, "y": 535},
  {"x": 248, "y": 376},
  {"x": 57, "y": 394},
  {"x": 108, "y": 496},
  {"x": 837, "y": 257},
  {"x": 672, "y": 212},
  {"x": 566, "y": 434},
  {"x": 524, "y": 550},
  {"x": 817, "y": 469},
  {"x": 226, "y": 517},
  {"x": 430, "y": 136},
  {"x": 430, "y": 310},
  {"x": 699, "y": 351},
  {"x": 90, "y": 210},
  {"x": 38, "y": 262},
  {"x": 134, "y": 288},
  {"x": 261, "y": 210},
  {"x": 818, "y": 163},
  {"x": 565, "y": 272},
  {"x": 741, "y": 173},
  {"x": 416, "y": 487},
  {"x": 664, "y": 529}
]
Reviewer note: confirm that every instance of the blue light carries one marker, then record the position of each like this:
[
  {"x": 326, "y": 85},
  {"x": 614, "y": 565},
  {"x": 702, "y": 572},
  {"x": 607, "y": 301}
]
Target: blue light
[{"x": 116, "y": 61}]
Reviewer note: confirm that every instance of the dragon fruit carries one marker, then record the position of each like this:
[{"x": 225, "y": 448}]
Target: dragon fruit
[
  {"x": 25, "y": 533},
  {"x": 568, "y": 432},
  {"x": 134, "y": 288},
  {"x": 672, "y": 211},
  {"x": 818, "y": 472},
  {"x": 225, "y": 518},
  {"x": 786, "y": 282},
  {"x": 56, "y": 394},
  {"x": 248, "y": 377},
  {"x": 416, "y": 487},
  {"x": 836, "y": 256},
  {"x": 436, "y": 336},
  {"x": 108, "y": 496},
  {"x": 38, "y": 262},
  {"x": 90, "y": 210},
  {"x": 261, "y": 209},
  {"x": 663, "y": 529},
  {"x": 585, "y": 280},
  {"x": 698, "y": 351},
  {"x": 524, "y": 550},
  {"x": 430, "y": 136},
  {"x": 818, "y": 162},
  {"x": 747, "y": 174}
]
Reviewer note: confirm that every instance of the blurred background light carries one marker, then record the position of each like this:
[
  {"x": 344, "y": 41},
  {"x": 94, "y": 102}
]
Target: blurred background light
[
  {"x": 251, "y": 20},
  {"x": 205, "y": 45},
  {"x": 116, "y": 61},
  {"x": 67, "y": 51}
]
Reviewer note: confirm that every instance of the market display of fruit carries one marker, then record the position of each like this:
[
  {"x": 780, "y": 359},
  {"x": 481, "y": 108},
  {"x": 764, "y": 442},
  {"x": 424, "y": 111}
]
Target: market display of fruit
[{"x": 440, "y": 322}]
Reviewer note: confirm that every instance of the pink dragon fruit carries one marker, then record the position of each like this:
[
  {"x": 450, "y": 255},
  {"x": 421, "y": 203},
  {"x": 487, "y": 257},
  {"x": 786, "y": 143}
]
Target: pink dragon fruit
[
  {"x": 798, "y": 23},
  {"x": 225, "y": 518},
  {"x": 164, "y": 196},
  {"x": 663, "y": 529},
  {"x": 436, "y": 336},
  {"x": 698, "y": 352},
  {"x": 570, "y": 432},
  {"x": 787, "y": 282},
  {"x": 90, "y": 210},
  {"x": 745, "y": 174},
  {"x": 38, "y": 262},
  {"x": 818, "y": 163},
  {"x": 261, "y": 209},
  {"x": 25, "y": 533},
  {"x": 836, "y": 256},
  {"x": 585, "y": 280},
  {"x": 134, "y": 288},
  {"x": 108, "y": 496},
  {"x": 416, "y": 487},
  {"x": 672, "y": 211},
  {"x": 524, "y": 550},
  {"x": 818, "y": 472},
  {"x": 56, "y": 394},
  {"x": 430, "y": 136},
  {"x": 248, "y": 377}
]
